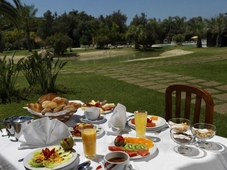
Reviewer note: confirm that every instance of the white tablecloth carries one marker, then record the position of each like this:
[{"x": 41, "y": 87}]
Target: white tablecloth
[{"x": 165, "y": 158}]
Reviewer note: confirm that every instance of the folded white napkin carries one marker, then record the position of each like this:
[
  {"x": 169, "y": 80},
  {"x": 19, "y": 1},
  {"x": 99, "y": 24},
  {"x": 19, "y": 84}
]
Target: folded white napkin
[
  {"x": 118, "y": 119},
  {"x": 43, "y": 132}
]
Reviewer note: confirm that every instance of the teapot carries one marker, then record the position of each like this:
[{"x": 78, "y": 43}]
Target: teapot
[{"x": 15, "y": 124}]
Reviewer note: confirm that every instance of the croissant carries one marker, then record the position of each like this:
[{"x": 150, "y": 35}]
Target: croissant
[{"x": 35, "y": 107}]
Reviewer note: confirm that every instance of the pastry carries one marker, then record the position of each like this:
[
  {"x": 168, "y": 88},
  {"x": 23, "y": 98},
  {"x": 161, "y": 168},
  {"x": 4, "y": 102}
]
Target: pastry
[
  {"x": 51, "y": 105},
  {"x": 45, "y": 97},
  {"x": 70, "y": 108},
  {"x": 76, "y": 105},
  {"x": 44, "y": 103},
  {"x": 35, "y": 107},
  {"x": 58, "y": 109},
  {"x": 60, "y": 101},
  {"x": 46, "y": 110}
]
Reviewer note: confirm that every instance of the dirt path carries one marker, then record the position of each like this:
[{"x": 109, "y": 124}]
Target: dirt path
[{"x": 114, "y": 53}]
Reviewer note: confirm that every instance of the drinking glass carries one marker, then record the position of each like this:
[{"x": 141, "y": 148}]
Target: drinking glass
[
  {"x": 140, "y": 117},
  {"x": 89, "y": 142},
  {"x": 183, "y": 139},
  {"x": 203, "y": 132},
  {"x": 179, "y": 124}
]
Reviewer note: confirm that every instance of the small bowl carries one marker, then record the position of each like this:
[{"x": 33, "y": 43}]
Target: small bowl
[
  {"x": 203, "y": 131},
  {"x": 92, "y": 113},
  {"x": 179, "y": 124}
]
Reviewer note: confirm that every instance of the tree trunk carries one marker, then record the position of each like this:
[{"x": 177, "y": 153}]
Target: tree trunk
[
  {"x": 218, "y": 41},
  {"x": 199, "y": 42},
  {"x": 28, "y": 39}
]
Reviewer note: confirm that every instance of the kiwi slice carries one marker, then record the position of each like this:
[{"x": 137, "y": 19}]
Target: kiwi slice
[
  {"x": 142, "y": 147},
  {"x": 129, "y": 146}
]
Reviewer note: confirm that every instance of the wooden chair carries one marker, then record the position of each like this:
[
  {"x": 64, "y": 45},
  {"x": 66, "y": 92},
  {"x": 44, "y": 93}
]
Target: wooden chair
[{"x": 199, "y": 93}]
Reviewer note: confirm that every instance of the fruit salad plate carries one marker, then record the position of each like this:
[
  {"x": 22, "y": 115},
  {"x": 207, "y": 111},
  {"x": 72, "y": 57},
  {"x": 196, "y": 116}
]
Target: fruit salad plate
[
  {"x": 72, "y": 162},
  {"x": 153, "y": 122},
  {"x": 136, "y": 150},
  {"x": 77, "y": 136}
]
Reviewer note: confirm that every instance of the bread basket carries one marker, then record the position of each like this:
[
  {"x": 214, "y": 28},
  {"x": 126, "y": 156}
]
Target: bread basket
[{"x": 63, "y": 116}]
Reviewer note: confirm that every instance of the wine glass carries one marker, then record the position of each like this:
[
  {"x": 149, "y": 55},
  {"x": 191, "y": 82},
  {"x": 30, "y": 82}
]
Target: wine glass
[
  {"x": 203, "y": 132},
  {"x": 183, "y": 139},
  {"x": 179, "y": 124}
]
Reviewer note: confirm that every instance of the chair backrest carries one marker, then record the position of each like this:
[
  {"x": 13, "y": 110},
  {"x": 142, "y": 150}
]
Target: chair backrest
[{"x": 199, "y": 93}]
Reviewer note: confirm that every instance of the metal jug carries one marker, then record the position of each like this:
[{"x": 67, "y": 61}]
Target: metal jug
[{"x": 15, "y": 124}]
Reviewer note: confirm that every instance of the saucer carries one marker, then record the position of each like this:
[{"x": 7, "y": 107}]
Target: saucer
[{"x": 101, "y": 119}]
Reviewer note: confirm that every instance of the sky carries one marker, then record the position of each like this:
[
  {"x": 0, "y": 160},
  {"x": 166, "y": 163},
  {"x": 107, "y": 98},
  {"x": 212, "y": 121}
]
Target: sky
[{"x": 159, "y": 9}]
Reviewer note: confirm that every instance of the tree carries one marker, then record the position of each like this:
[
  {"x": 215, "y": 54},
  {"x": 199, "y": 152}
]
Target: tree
[
  {"x": 217, "y": 25},
  {"x": 137, "y": 31},
  {"x": 197, "y": 27},
  {"x": 10, "y": 11},
  {"x": 60, "y": 42},
  {"x": 27, "y": 19},
  {"x": 168, "y": 27},
  {"x": 45, "y": 27}
]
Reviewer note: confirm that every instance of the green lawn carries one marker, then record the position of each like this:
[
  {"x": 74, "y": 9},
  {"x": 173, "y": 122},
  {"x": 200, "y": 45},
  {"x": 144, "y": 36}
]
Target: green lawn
[{"x": 94, "y": 85}]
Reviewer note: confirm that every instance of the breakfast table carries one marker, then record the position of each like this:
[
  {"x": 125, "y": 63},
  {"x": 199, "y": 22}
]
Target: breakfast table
[{"x": 163, "y": 157}]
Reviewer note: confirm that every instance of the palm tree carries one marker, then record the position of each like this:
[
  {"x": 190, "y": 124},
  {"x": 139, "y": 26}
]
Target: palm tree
[
  {"x": 27, "y": 15},
  {"x": 217, "y": 26},
  {"x": 196, "y": 26},
  {"x": 136, "y": 34},
  {"x": 10, "y": 11},
  {"x": 168, "y": 26}
]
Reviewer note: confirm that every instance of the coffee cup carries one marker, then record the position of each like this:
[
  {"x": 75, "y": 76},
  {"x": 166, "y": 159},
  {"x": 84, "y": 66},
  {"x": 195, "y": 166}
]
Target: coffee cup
[
  {"x": 92, "y": 113},
  {"x": 117, "y": 161}
]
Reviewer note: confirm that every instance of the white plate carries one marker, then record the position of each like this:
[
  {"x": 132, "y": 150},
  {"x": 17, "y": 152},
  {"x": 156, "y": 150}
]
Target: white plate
[
  {"x": 101, "y": 119},
  {"x": 151, "y": 153},
  {"x": 159, "y": 123},
  {"x": 151, "y": 150},
  {"x": 99, "y": 132},
  {"x": 61, "y": 166}
]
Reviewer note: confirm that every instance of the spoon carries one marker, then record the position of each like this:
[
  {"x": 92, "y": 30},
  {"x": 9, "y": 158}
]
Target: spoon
[{"x": 84, "y": 165}]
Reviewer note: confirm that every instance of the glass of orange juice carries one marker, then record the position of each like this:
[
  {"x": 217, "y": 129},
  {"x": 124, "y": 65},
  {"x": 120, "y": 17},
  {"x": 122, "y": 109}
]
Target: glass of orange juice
[
  {"x": 89, "y": 141},
  {"x": 140, "y": 117}
]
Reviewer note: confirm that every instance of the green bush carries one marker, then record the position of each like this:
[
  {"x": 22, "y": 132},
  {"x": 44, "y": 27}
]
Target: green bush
[
  {"x": 41, "y": 71},
  {"x": 8, "y": 76},
  {"x": 59, "y": 42}
]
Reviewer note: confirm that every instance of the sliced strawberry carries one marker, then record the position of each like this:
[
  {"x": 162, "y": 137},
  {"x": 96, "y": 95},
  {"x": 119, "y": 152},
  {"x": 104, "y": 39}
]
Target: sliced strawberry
[{"x": 143, "y": 152}]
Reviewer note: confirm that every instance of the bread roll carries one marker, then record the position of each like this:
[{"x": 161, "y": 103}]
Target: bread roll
[
  {"x": 70, "y": 108},
  {"x": 35, "y": 107},
  {"x": 66, "y": 101},
  {"x": 75, "y": 104},
  {"x": 51, "y": 105},
  {"x": 60, "y": 101},
  {"x": 58, "y": 109},
  {"x": 46, "y": 110},
  {"x": 44, "y": 103},
  {"x": 45, "y": 97}
]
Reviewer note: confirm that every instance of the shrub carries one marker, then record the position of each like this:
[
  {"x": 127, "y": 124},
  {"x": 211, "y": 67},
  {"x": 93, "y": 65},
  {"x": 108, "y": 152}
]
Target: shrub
[
  {"x": 59, "y": 42},
  {"x": 42, "y": 71},
  {"x": 8, "y": 76}
]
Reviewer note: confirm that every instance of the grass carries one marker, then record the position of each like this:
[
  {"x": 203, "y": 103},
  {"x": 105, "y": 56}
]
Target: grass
[{"x": 87, "y": 80}]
